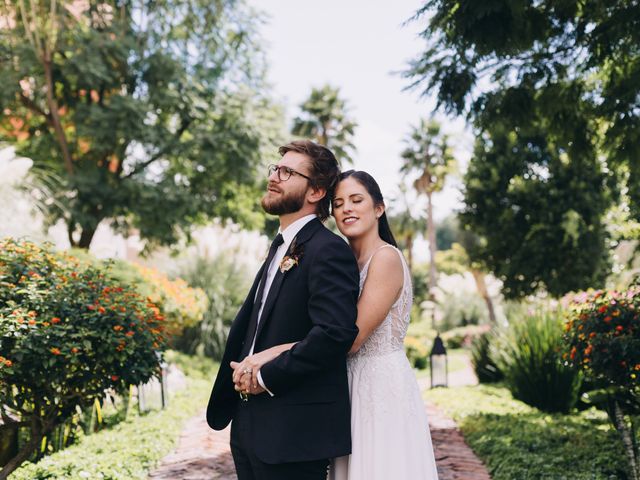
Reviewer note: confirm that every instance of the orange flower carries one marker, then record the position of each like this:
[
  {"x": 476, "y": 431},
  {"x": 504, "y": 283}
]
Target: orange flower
[
  {"x": 592, "y": 334},
  {"x": 101, "y": 309},
  {"x": 616, "y": 313},
  {"x": 46, "y": 324},
  {"x": 602, "y": 309},
  {"x": 607, "y": 319},
  {"x": 55, "y": 351},
  {"x": 55, "y": 320},
  {"x": 8, "y": 363},
  {"x": 75, "y": 349},
  {"x": 117, "y": 328},
  {"x": 130, "y": 333},
  {"x": 32, "y": 322},
  {"x": 572, "y": 355},
  {"x": 91, "y": 307},
  {"x": 619, "y": 328},
  {"x": 114, "y": 378},
  {"x": 587, "y": 351},
  {"x": 32, "y": 314}
]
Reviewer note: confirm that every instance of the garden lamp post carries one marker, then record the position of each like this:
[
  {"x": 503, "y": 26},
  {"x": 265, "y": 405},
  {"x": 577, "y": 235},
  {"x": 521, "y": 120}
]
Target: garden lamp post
[{"x": 439, "y": 364}]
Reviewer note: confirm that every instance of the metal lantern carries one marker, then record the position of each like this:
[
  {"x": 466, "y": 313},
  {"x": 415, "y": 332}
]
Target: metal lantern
[{"x": 439, "y": 364}]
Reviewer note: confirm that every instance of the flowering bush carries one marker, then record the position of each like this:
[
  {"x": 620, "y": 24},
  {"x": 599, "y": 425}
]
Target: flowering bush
[
  {"x": 603, "y": 336},
  {"x": 68, "y": 332},
  {"x": 182, "y": 305},
  {"x": 603, "y": 340}
]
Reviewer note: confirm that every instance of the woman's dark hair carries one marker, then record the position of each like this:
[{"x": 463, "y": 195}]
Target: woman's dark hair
[
  {"x": 324, "y": 170},
  {"x": 368, "y": 182}
]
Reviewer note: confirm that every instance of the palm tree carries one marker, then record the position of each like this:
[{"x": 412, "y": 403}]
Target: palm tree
[
  {"x": 324, "y": 119},
  {"x": 404, "y": 225},
  {"x": 428, "y": 155}
]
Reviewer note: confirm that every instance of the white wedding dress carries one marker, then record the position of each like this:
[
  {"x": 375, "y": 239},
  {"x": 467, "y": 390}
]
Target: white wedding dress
[{"x": 389, "y": 429}]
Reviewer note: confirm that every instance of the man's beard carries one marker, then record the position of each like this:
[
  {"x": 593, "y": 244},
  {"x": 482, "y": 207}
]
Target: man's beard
[{"x": 290, "y": 203}]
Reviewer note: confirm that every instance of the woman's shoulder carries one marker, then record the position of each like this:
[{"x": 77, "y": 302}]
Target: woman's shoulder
[{"x": 386, "y": 261}]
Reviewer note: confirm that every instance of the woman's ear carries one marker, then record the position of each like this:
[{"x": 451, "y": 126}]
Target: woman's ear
[{"x": 379, "y": 209}]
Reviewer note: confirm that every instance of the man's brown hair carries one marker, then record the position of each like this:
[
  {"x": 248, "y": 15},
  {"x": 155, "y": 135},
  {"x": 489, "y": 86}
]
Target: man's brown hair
[{"x": 324, "y": 170}]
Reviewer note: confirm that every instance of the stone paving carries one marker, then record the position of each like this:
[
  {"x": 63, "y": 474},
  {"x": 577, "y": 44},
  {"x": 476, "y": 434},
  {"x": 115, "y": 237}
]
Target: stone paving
[{"x": 203, "y": 454}]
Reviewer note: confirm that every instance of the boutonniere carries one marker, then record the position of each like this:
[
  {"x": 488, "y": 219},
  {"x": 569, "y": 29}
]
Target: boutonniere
[{"x": 291, "y": 260}]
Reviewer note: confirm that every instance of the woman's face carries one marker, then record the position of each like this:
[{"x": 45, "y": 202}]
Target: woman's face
[{"x": 354, "y": 210}]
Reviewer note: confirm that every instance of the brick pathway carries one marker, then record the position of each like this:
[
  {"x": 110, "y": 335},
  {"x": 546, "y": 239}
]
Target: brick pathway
[{"x": 203, "y": 454}]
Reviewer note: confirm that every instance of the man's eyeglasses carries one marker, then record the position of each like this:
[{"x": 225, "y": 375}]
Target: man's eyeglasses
[{"x": 284, "y": 173}]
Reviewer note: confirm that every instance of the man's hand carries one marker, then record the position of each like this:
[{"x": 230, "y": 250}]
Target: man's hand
[{"x": 244, "y": 380}]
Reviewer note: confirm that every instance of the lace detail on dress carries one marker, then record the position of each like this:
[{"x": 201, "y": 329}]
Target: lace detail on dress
[{"x": 389, "y": 336}]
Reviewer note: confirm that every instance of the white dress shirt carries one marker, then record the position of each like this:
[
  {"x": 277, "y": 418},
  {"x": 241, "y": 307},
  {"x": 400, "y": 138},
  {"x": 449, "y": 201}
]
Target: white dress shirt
[{"x": 288, "y": 234}]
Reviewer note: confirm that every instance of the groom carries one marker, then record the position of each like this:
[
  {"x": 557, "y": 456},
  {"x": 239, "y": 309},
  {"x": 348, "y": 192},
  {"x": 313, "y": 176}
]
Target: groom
[{"x": 298, "y": 415}]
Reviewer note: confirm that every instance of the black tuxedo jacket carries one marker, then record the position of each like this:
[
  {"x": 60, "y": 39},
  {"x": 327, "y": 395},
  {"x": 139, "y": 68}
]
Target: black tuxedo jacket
[{"x": 314, "y": 304}]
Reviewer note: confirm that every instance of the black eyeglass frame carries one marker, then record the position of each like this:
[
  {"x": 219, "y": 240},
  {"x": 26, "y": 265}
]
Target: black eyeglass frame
[{"x": 289, "y": 171}]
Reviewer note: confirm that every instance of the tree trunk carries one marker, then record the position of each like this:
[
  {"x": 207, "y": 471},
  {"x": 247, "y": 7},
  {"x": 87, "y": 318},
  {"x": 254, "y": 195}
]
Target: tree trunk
[
  {"x": 617, "y": 418},
  {"x": 431, "y": 235},
  {"x": 23, "y": 454},
  {"x": 55, "y": 115},
  {"x": 86, "y": 236},
  {"x": 481, "y": 285},
  {"x": 409, "y": 240}
]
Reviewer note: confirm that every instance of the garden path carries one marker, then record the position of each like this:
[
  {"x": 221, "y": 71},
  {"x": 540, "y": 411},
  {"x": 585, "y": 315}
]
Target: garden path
[{"x": 203, "y": 454}]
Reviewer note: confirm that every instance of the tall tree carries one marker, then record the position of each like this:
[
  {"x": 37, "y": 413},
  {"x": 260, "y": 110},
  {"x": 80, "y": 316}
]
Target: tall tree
[
  {"x": 552, "y": 90},
  {"x": 147, "y": 112},
  {"x": 428, "y": 155},
  {"x": 404, "y": 225},
  {"x": 324, "y": 118}
]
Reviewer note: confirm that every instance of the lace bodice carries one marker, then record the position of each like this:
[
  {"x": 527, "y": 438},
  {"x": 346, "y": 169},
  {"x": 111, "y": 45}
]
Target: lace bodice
[{"x": 389, "y": 336}]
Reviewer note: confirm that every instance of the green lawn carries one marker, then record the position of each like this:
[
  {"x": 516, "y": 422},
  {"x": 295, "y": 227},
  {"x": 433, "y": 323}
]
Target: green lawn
[
  {"x": 518, "y": 442},
  {"x": 130, "y": 449}
]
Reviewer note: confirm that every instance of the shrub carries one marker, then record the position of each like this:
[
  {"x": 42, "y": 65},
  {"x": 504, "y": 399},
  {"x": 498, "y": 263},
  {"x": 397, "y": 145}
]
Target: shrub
[
  {"x": 133, "y": 447},
  {"x": 181, "y": 305},
  {"x": 529, "y": 353},
  {"x": 603, "y": 341},
  {"x": 68, "y": 332},
  {"x": 417, "y": 351},
  {"x": 483, "y": 364},
  {"x": 463, "y": 336},
  {"x": 225, "y": 283}
]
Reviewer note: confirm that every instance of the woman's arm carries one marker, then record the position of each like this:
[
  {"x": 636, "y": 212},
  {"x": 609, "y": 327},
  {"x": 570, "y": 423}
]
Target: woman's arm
[
  {"x": 254, "y": 363},
  {"x": 381, "y": 290}
]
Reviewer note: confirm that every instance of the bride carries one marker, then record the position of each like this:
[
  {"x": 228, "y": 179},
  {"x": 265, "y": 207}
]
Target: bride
[{"x": 389, "y": 429}]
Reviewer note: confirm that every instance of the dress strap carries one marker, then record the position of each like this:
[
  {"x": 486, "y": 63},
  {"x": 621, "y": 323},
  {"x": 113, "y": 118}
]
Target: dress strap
[{"x": 366, "y": 265}]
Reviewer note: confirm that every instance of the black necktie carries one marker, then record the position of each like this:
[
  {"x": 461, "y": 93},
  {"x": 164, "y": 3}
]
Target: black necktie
[{"x": 253, "y": 321}]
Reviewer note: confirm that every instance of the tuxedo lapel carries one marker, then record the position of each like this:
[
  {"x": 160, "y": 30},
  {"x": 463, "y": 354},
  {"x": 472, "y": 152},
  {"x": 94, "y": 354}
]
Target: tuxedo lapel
[{"x": 305, "y": 234}]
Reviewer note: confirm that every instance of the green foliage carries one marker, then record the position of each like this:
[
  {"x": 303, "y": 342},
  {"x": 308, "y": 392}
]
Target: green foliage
[
  {"x": 552, "y": 90},
  {"x": 483, "y": 365},
  {"x": 225, "y": 282},
  {"x": 324, "y": 118},
  {"x": 529, "y": 353},
  {"x": 428, "y": 154},
  {"x": 537, "y": 202},
  {"x": 602, "y": 336},
  {"x": 68, "y": 332},
  {"x": 133, "y": 447},
  {"x": 417, "y": 351},
  {"x": 518, "y": 442},
  {"x": 141, "y": 128},
  {"x": 179, "y": 304}
]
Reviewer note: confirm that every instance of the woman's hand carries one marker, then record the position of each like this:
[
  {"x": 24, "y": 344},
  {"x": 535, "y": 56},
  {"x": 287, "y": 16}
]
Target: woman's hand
[{"x": 252, "y": 364}]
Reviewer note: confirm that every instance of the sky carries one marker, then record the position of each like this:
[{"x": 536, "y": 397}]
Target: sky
[{"x": 359, "y": 46}]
